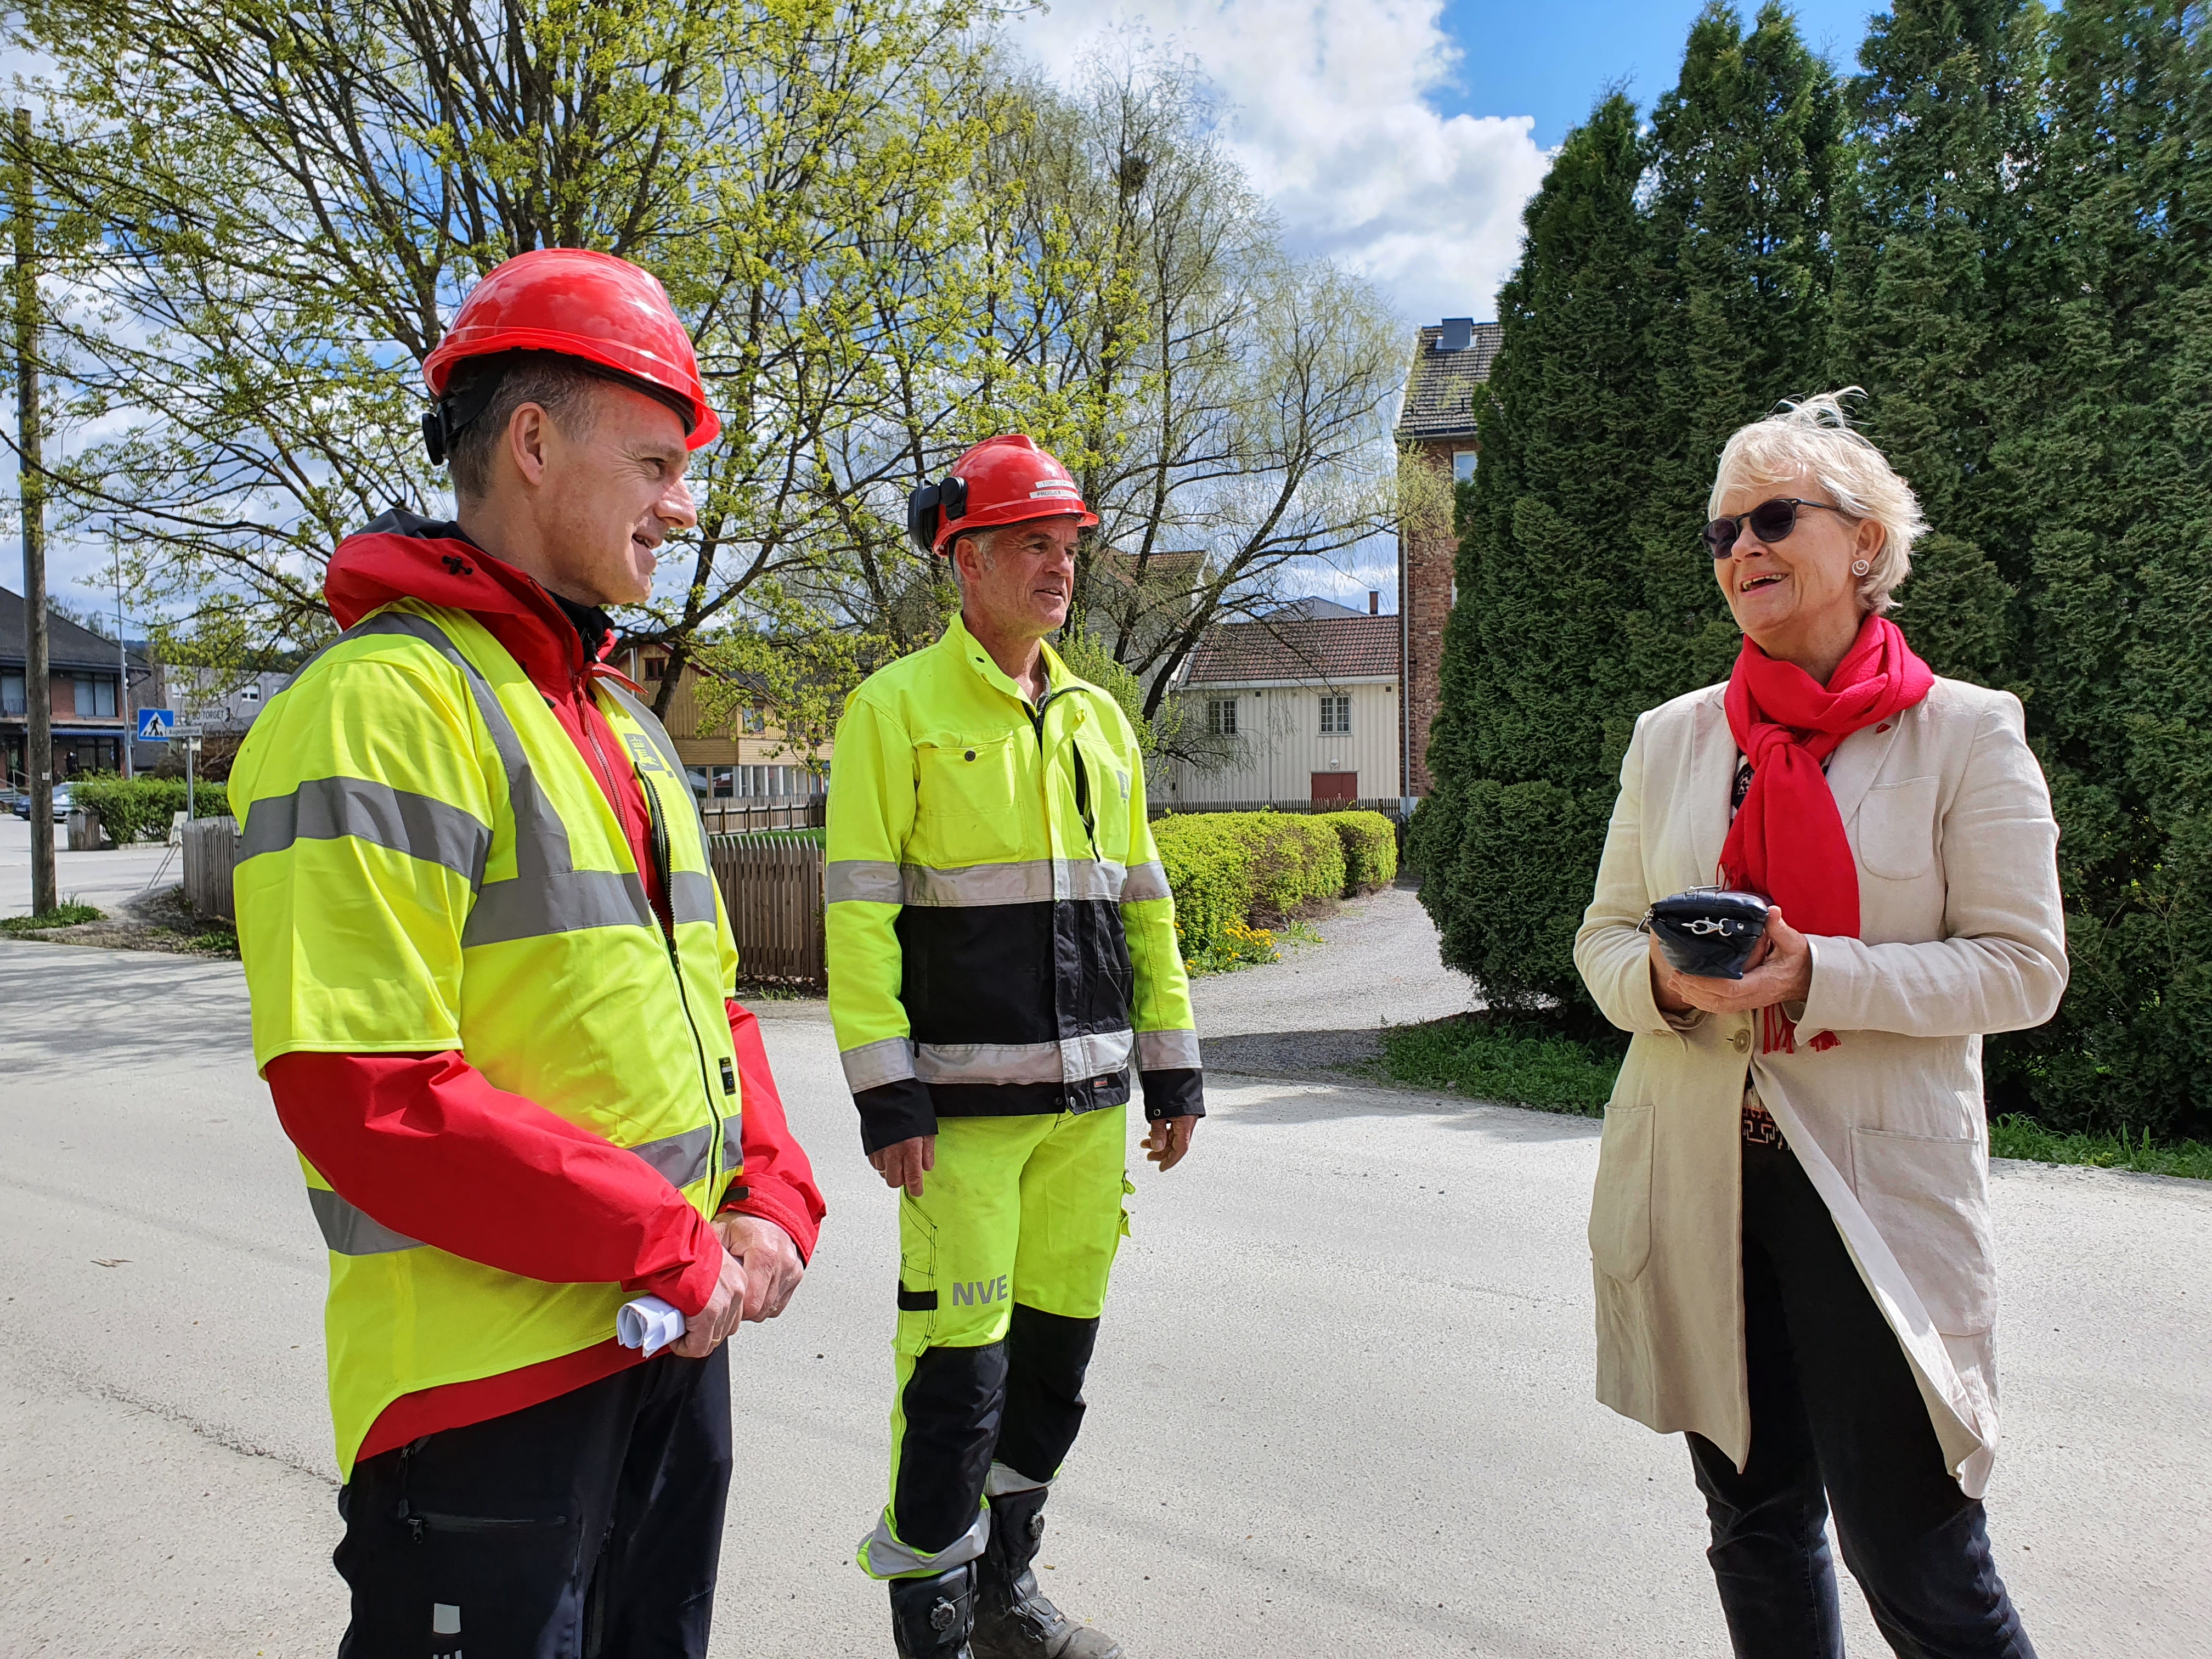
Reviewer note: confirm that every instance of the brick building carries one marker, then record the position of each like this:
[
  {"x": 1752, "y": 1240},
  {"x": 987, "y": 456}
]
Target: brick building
[{"x": 1450, "y": 359}]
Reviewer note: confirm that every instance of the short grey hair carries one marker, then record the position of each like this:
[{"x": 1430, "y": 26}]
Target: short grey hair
[
  {"x": 1814, "y": 435},
  {"x": 565, "y": 393}
]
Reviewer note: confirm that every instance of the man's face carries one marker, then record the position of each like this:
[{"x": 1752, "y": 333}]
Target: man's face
[
  {"x": 1020, "y": 587},
  {"x": 612, "y": 495}
]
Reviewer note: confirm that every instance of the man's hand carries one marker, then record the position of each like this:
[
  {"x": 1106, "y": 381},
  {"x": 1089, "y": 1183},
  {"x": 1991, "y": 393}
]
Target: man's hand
[
  {"x": 707, "y": 1329},
  {"x": 1780, "y": 970},
  {"x": 905, "y": 1163},
  {"x": 771, "y": 1260},
  {"x": 1168, "y": 1139}
]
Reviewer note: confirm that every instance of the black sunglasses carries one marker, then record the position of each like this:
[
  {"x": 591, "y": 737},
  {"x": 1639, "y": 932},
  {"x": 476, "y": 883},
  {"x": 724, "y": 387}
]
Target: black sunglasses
[{"x": 1769, "y": 521}]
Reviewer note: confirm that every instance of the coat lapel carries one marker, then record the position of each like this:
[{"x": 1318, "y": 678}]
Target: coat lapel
[
  {"x": 1858, "y": 760},
  {"x": 1711, "y": 782}
]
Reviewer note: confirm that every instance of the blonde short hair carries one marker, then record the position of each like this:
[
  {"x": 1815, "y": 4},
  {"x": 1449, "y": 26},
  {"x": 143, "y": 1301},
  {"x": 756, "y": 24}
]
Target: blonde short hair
[{"x": 1815, "y": 435}]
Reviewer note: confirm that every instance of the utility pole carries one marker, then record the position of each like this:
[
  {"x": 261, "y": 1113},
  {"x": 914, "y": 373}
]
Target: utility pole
[
  {"x": 123, "y": 671},
  {"x": 30, "y": 481}
]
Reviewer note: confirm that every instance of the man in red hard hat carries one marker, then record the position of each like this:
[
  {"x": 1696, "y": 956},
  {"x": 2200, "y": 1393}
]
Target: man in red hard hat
[
  {"x": 491, "y": 983},
  {"x": 1002, "y": 950}
]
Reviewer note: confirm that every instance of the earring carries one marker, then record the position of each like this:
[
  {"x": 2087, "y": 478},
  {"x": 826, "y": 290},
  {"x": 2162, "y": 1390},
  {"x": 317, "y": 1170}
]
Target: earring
[{"x": 1860, "y": 566}]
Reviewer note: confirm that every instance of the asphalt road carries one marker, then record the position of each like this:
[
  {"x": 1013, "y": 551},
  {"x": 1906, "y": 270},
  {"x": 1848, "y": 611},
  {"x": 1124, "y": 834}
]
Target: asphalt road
[
  {"x": 1341, "y": 1405},
  {"x": 105, "y": 880}
]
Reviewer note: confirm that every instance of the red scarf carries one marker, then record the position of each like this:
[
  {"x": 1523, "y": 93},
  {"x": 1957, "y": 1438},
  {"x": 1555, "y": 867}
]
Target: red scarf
[{"x": 1787, "y": 843}]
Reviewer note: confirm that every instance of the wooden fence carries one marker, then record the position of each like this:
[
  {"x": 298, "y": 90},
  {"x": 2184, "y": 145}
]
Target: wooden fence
[
  {"x": 213, "y": 847},
  {"x": 770, "y": 812},
  {"x": 772, "y": 888}
]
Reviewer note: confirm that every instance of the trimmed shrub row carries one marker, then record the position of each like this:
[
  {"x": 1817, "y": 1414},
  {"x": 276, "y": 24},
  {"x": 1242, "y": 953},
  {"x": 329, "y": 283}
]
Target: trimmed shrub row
[
  {"x": 129, "y": 809},
  {"x": 1229, "y": 870}
]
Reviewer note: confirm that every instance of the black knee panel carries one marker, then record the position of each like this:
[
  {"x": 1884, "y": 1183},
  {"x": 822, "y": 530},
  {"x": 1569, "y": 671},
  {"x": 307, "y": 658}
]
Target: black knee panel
[
  {"x": 1046, "y": 1355},
  {"x": 952, "y": 1403}
]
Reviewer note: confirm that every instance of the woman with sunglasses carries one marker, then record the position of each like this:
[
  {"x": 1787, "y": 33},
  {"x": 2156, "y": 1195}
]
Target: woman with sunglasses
[{"x": 1791, "y": 1226}]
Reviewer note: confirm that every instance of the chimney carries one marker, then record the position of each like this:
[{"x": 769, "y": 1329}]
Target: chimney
[
  {"x": 1374, "y": 602},
  {"x": 1456, "y": 334}
]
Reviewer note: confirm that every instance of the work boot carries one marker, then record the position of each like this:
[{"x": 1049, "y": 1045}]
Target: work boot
[
  {"x": 930, "y": 1617},
  {"x": 1012, "y": 1621}
]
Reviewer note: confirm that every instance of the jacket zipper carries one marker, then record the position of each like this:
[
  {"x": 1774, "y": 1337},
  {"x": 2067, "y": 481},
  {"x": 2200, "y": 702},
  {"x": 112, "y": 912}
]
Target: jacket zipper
[
  {"x": 419, "y": 1522},
  {"x": 658, "y": 840}
]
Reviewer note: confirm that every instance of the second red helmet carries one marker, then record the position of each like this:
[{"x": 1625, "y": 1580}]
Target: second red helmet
[{"x": 1007, "y": 479}]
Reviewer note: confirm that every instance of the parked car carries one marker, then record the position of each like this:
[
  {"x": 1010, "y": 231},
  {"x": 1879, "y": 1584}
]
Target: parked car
[{"x": 61, "y": 803}]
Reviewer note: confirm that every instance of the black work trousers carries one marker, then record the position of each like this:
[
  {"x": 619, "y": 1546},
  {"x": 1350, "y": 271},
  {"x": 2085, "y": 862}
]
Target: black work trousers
[
  {"x": 585, "y": 1527},
  {"x": 1837, "y": 1418}
]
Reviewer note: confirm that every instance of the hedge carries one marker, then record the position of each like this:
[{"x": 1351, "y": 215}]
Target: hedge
[
  {"x": 1231, "y": 869},
  {"x": 1371, "y": 849},
  {"x": 130, "y": 808}
]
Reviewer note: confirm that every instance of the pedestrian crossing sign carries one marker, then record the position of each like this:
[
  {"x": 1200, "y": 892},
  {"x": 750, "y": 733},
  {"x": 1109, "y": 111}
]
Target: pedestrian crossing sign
[{"x": 153, "y": 724}]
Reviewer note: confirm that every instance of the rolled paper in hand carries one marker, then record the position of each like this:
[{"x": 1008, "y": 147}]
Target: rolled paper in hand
[{"x": 649, "y": 1324}]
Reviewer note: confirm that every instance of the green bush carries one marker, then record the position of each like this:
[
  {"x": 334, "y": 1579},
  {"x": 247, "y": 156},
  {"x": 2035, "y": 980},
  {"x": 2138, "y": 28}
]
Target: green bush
[
  {"x": 1517, "y": 1062},
  {"x": 1371, "y": 849},
  {"x": 1229, "y": 869},
  {"x": 130, "y": 808}
]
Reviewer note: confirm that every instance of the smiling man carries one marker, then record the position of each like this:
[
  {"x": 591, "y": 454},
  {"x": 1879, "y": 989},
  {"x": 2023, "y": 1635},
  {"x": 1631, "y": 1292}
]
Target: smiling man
[
  {"x": 1002, "y": 948},
  {"x": 490, "y": 976}
]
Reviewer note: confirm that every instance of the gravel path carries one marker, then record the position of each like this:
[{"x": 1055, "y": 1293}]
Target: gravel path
[{"x": 1318, "y": 1011}]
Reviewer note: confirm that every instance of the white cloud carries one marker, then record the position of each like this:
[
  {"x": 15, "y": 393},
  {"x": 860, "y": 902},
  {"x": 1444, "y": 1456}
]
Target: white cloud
[{"x": 1328, "y": 113}]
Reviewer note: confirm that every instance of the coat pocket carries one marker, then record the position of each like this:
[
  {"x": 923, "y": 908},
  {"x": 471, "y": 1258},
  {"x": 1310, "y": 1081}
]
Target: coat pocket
[
  {"x": 967, "y": 797},
  {"x": 1928, "y": 1196},
  {"x": 1621, "y": 1205},
  {"x": 1896, "y": 828}
]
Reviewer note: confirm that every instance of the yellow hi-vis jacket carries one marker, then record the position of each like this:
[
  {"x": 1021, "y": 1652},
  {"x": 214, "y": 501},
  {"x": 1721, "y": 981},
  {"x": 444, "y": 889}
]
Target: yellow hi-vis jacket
[
  {"x": 428, "y": 865},
  {"x": 1001, "y": 937}
]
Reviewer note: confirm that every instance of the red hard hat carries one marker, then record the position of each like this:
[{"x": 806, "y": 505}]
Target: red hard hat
[
  {"x": 1002, "y": 480},
  {"x": 581, "y": 304}
]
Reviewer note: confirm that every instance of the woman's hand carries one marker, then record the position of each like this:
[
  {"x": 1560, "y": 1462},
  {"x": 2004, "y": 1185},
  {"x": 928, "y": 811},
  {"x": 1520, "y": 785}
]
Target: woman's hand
[{"x": 1780, "y": 970}]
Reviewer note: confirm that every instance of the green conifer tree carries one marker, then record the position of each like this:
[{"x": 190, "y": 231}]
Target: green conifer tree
[
  {"x": 2110, "y": 461},
  {"x": 1525, "y": 745}
]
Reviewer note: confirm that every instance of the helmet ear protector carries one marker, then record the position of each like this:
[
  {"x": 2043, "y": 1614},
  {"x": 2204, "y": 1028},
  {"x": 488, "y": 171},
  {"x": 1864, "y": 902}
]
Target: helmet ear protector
[
  {"x": 949, "y": 495},
  {"x": 464, "y": 403}
]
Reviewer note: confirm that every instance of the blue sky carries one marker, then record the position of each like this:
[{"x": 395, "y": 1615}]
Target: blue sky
[{"x": 1551, "y": 60}]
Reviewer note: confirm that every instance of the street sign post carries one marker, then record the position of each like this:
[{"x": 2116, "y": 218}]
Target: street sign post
[{"x": 155, "y": 725}]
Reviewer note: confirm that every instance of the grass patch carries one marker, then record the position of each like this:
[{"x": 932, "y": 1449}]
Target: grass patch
[
  {"x": 1520, "y": 1063},
  {"x": 62, "y": 915},
  {"x": 2013, "y": 1136}
]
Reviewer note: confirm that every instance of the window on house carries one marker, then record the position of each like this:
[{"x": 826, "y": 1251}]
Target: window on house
[
  {"x": 655, "y": 666},
  {"x": 249, "y": 694},
  {"x": 1335, "y": 716},
  {"x": 722, "y": 782},
  {"x": 1462, "y": 464},
  {"x": 753, "y": 720},
  {"x": 1221, "y": 717},
  {"x": 96, "y": 695},
  {"x": 11, "y": 696}
]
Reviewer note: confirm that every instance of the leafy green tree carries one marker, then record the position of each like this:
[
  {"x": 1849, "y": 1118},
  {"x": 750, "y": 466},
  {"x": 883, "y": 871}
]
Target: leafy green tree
[{"x": 1526, "y": 742}]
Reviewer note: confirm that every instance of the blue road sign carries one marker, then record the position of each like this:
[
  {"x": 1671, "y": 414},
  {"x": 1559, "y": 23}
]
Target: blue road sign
[{"x": 153, "y": 724}]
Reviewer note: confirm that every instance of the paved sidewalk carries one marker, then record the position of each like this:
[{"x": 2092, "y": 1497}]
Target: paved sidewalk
[{"x": 1341, "y": 1405}]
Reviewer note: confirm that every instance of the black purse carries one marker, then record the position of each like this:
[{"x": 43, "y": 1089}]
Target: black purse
[{"x": 1709, "y": 931}]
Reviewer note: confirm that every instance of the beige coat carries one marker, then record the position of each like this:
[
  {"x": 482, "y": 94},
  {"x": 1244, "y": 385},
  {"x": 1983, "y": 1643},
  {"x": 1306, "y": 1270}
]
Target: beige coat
[{"x": 1946, "y": 812}]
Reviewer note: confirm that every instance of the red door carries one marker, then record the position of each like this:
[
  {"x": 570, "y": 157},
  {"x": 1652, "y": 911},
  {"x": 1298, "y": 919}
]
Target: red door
[{"x": 1336, "y": 786}]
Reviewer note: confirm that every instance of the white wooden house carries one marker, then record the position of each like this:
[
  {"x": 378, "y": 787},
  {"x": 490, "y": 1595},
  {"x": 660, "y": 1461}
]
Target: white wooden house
[{"x": 1305, "y": 701}]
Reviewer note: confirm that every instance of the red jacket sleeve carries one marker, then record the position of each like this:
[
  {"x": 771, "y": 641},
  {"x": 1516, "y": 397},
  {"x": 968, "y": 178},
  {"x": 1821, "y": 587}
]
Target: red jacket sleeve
[
  {"x": 425, "y": 1144},
  {"x": 780, "y": 1179}
]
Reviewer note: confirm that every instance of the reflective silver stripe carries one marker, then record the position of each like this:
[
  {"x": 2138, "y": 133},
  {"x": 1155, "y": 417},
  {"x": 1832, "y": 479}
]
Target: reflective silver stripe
[
  {"x": 559, "y": 901},
  {"x": 882, "y": 1556},
  {"x": 1069, "y": 1060},
  {"x": 681, "y": 1159},
  {"x": 349, "y": 1230},
  {"x": 1004, "y": 1482},
  {"x": 547, "y": 894},
  {"x": 328, "y": 809},
  {"x": 862, "y": 881},
  {"x": 691, "y": 895},
  {"x": 872, "y": 1065},
  {"x": 1167, "y": 1051},
  {"x": 1147, "y": 881},
  {"x": 1033, "y": 881}
]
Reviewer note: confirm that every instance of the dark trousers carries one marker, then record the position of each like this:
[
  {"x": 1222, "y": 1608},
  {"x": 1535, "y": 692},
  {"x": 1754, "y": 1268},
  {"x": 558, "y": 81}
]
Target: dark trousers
[
  {"x": 1836, "y": 1418},
  {"x": 585, "y": 1527}
]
